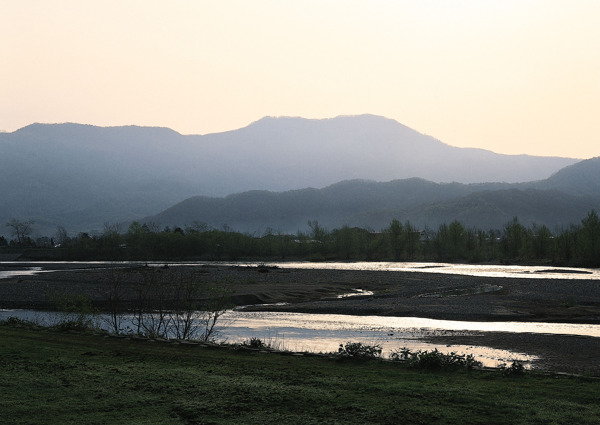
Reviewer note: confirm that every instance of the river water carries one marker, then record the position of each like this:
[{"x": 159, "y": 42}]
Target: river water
[
  {"x": 322, "y": 333},
  {"x": 529, "y": 272},
  {"x": 13, "y": 273},
  {"x": 504, "y": 271},
  {"x": 325, "y": 332}
]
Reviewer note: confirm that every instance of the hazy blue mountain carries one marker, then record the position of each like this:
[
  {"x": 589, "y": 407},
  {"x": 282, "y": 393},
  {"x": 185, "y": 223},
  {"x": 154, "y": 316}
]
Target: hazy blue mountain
[
  {"x": 582, "y": 178},
  {"x": 81, "y": 176},
  {"x": 289, "y": 153},
  {"x": 493, "y": 209},
  {"x": 289, "y": 211},
  {"x": 556, "y": 202}
]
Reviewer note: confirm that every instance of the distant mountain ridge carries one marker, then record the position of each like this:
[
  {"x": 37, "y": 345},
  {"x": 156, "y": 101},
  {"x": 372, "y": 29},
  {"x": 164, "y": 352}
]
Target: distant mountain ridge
[
  {"x": 82, "y": 176},
  {"x": 558, "y": 201},
  {"x": 582, "y": 178}
]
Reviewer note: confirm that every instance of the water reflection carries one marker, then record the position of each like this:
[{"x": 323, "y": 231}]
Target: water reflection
[
  {"x": 405, "y": 325},
  {"x": 356, "y": 293},
  {"x": 530, "y": 272},
  {"x": 25, "y": 272},
  {"x": 325, "y": 332}
]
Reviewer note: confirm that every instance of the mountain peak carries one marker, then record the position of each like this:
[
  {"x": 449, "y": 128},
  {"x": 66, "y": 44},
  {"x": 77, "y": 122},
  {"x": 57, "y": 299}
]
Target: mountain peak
[
  {"x": 97, "y": 174},
  {"x": 70, "y": 128},
  {"x": 342, "y": 119}
]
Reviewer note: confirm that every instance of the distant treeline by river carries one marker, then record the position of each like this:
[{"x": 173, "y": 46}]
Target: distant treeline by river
[{"x": 577, "y": 245}]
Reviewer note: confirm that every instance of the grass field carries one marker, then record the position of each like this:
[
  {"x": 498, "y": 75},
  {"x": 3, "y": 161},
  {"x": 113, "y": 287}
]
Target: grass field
[{"x": 57, "y": 377}]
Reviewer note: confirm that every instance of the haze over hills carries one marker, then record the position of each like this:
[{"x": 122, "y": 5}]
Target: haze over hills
[
  {"x": 556, "y": 202},
  {"x": 582, "y": 178},
  {"x": 82, "y": 176}
]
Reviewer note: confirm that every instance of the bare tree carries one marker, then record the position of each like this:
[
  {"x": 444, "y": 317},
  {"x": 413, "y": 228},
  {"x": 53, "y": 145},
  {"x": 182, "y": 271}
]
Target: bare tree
[
  {"x": 168, "y": 302},
  {"x": 198, "y": 308},
  {"x": 153, "y": 316},
  {"x": 61, "y": 235},
  {"x": 114, "y": 285},
  {"x": 20, "y": 229}
]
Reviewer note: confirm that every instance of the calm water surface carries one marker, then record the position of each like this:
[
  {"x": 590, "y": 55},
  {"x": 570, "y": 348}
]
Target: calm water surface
[
  {"x": 325, "y": 332},
  {"x": 531, "y": 272},
  {"x": 12, "y": 273}
]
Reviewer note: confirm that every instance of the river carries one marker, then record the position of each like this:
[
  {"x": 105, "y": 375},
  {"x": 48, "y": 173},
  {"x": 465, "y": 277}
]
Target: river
[
  {"x": 484, "y": 270},
  {"x": 325, "y": 332}
]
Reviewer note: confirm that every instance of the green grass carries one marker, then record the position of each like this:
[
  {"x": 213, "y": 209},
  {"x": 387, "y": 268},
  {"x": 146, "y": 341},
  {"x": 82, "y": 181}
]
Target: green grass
[{"x": 55, "y": 377}]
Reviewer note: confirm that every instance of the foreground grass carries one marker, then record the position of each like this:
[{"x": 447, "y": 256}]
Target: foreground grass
[{"x": 54, "y": 377}]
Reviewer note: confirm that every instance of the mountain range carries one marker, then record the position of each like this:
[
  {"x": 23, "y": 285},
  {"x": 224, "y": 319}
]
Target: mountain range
[
  {"x": 563, "y": 199},
  {"x": 81, "y": 176}
]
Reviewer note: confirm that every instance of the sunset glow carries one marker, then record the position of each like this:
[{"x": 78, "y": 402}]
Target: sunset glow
[{"x": 509, "y": 76}]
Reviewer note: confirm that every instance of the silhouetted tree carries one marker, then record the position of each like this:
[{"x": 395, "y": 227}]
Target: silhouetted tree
[
  {"x": 61, "y": 235},
  {"x": 541, "y": 239},
  {"x": 514, "y": 239},
  {"x": 590, "y": 240},
  {"x": 347, "y": 242},
  {"x": 317, "y": 232},
  {"x": 457, "y": 240},
  {"x": 396, "y": 238},
  {"x": 21, "y": 229}
]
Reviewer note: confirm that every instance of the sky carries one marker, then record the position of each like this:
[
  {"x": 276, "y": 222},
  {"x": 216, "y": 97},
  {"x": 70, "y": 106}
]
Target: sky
[{"x": 511, "y": 76}]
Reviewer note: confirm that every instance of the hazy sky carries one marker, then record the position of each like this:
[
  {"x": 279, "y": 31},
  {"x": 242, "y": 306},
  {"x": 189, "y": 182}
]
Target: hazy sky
[{"x": 510, "y": 76}]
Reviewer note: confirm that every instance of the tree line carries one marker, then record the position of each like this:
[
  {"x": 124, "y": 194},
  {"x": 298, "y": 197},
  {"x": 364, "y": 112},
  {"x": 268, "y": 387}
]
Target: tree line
[{"x": 577, "y": 245}]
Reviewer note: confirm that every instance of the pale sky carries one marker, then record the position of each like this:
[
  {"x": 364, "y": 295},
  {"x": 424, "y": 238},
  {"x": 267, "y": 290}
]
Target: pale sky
[{"x": 511, "y": 76}]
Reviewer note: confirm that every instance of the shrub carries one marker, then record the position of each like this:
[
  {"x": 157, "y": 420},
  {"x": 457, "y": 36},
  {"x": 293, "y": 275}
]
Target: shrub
[
  {"x": 75, "y": 325},
  {"x": 263, "y": 268},
  {"x": 254, "y": 343},
  {"x": 74, "y": 312},
  {"x": 515, "y": 369},
  {"x": 435, "y": 359},
  {"x": 316, "y": 258},
  {"x": 15, "y": 321},
  {"x": 359, "y": 350}
]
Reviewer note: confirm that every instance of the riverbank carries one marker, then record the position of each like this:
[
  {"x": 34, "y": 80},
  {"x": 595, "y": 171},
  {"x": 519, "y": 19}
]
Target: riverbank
[
  {"x": 395, "y": 293},
  {"x": 64, "y": 378}
]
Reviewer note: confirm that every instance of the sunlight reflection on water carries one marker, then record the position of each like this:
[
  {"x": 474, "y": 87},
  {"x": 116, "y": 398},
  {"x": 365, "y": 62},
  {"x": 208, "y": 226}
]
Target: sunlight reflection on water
[
  {"x": 325, "y": 332},
  {"x": 531, "y": 272},
  {"x": 318, "y": 333},
  {"x": 12, "y": 273}
]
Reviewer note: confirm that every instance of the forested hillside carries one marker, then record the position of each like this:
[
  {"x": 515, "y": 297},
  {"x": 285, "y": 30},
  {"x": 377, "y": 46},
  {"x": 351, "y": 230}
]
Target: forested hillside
[{"x": 555, "y": 202}]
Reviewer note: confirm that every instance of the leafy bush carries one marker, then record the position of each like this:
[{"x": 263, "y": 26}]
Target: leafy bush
[
  {"x": 15, "y": 321},
  {"x": 316, "y": 258},
  {"x": 515, "y": 369},
  {"x": 359, "y": 350},
  {"x": 254, "y": 343},
  {"x": 74, "y": 312},
  {"x": 435, "y": 359}
]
